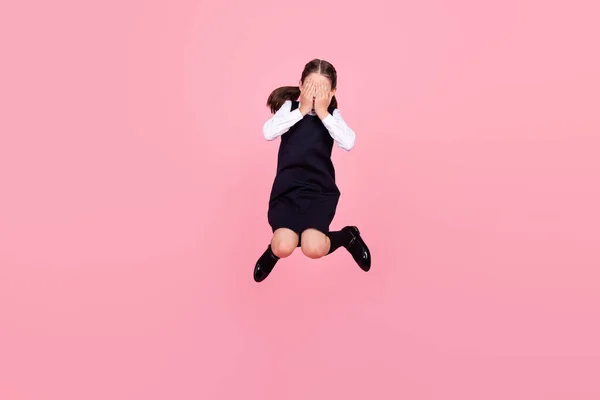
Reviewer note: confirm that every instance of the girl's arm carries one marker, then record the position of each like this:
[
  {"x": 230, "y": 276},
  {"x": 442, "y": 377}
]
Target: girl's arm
[
  {"x": 341, "y": 133},
  {"x": 282, "y": 121}
]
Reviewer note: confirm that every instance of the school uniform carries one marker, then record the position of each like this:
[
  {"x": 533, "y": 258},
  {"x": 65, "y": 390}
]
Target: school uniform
[{"x": 304, "y": 193}]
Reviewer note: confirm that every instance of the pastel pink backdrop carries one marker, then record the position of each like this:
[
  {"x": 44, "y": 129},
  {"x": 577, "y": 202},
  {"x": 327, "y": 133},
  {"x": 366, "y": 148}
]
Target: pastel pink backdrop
[{"x": 134, "y": 180}]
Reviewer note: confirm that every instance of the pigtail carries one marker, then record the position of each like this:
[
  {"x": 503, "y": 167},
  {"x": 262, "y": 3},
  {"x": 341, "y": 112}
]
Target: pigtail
[
  {"x": 281, "y": 95},
  {"x": 333, "y": 103}
]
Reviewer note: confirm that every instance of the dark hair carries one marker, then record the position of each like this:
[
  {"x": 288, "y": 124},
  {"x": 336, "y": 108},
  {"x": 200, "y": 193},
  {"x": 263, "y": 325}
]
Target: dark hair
[{"x": 284, "y": 93}]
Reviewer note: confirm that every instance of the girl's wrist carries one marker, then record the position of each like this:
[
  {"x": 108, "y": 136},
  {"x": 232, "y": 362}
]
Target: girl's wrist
[
  {"x": 304, "y": 111},
  {"x": 322, "y": 114}
]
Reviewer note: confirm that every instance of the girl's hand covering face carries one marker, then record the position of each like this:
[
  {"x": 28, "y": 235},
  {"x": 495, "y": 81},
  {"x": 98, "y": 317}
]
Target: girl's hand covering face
[
  {"x": 307, "y": 97},
  {"x": 323, "y": 98}
]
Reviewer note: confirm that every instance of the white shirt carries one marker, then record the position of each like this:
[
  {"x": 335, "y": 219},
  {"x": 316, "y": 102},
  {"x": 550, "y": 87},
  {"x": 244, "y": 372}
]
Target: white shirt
[{"x": 285, "y": 118}]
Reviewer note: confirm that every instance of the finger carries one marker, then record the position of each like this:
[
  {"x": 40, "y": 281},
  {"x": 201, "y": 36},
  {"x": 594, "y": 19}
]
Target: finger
[
  {"x": 309, "y": 88},
  {"x": 318, "y": 90},
  {"x": 305, "y": 86}
]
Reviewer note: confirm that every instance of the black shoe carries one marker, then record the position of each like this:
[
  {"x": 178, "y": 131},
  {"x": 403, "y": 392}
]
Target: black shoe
[
  {"x": 358, "y": 248},
  {"x": 265, "y": 265}
]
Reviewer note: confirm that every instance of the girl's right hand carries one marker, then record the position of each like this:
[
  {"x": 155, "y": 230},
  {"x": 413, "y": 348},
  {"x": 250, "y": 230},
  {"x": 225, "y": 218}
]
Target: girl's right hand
[{"x": 307, "y": 97}]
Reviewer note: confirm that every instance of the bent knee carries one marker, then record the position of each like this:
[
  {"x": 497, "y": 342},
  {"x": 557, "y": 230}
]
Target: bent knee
[
  {"x": 315, "y": 250},
  {"x": 283, "y": 249}
]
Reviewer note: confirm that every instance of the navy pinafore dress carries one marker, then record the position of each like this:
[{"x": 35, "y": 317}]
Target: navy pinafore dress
[{"x": 304, "y": 193}]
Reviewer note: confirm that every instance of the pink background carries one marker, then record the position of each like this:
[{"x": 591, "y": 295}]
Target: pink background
[{"x": 134, "y": 179}]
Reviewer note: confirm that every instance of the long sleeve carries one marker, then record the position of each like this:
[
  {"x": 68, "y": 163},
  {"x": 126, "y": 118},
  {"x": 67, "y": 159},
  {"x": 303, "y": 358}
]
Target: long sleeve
[
  {"x": 282, "y": 121},
  {"x": 341, "y": 133}
]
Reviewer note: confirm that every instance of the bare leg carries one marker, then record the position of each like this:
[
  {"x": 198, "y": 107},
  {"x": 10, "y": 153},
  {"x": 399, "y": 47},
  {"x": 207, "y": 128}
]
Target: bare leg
[
  {"x": 315, "y": 244},
  {"x": 284, "y": 242}
]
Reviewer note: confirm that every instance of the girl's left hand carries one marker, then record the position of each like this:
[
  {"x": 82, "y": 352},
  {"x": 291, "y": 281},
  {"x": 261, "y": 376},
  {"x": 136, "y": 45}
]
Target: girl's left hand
[{"x": 322, "y": 100}]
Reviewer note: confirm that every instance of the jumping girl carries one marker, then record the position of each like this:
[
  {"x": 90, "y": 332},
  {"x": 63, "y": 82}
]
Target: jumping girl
[{"x": 304, "y": 195}]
